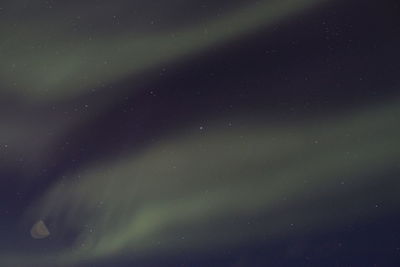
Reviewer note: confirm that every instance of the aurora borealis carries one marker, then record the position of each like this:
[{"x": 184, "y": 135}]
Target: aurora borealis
[
  {"x": 59, "y": 63},
  {"x": 200, "y": 133}
]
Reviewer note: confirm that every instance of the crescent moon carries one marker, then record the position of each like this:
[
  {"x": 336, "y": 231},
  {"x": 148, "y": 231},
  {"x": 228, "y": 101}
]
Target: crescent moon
[{"x": 39, "y": 230}]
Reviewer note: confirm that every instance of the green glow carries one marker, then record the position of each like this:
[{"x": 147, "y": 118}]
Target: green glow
[
  {"x": 44, "y": 62},
  {"x": 191, "y": 184}
]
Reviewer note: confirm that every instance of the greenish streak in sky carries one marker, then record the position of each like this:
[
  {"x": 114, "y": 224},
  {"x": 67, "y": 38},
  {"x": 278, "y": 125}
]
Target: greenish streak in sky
[
  {"x": 42, "y": 62},
  {"x": 145, "y": 203}
]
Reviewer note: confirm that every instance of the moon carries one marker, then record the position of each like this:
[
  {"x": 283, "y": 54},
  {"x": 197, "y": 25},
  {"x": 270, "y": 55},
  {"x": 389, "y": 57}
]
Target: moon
[{"x": 39, "y": 230}]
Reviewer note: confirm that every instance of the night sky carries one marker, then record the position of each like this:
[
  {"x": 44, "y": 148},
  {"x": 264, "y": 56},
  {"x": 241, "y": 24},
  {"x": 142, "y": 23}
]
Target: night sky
[{"x": 199, "y": 133}]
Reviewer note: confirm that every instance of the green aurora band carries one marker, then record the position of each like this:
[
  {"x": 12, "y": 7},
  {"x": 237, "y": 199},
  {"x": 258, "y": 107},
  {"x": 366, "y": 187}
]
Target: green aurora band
[
  {"x": 174, "y": 196},
  {"x": 65, "y": 64}
]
